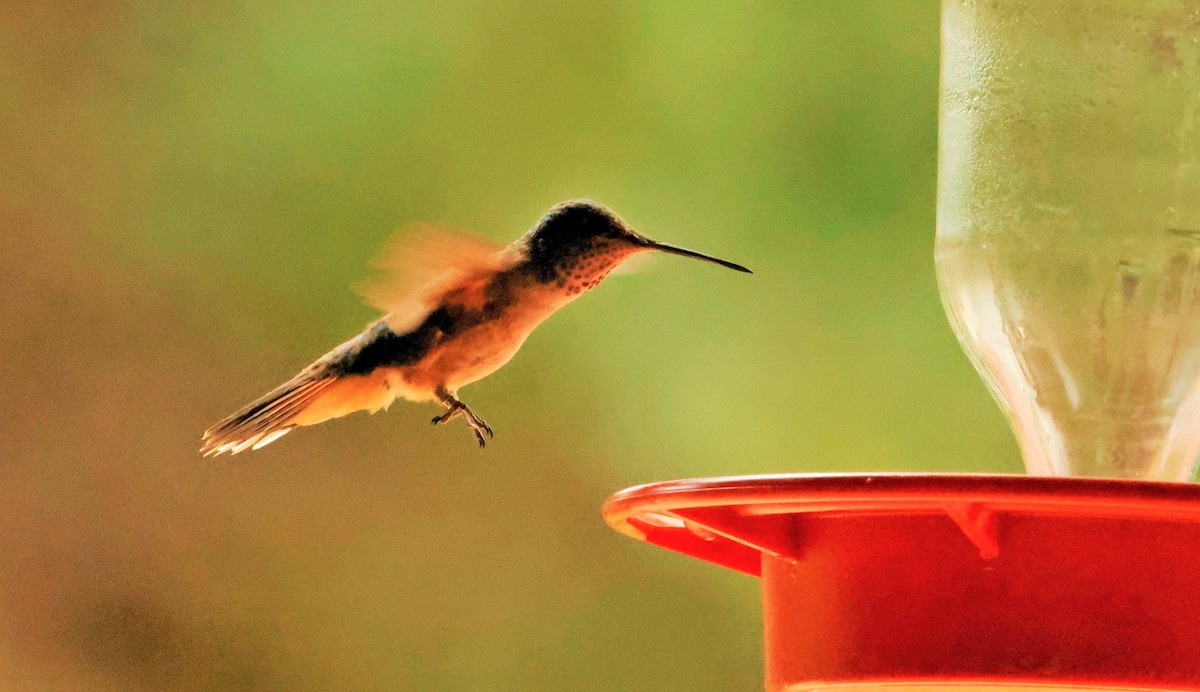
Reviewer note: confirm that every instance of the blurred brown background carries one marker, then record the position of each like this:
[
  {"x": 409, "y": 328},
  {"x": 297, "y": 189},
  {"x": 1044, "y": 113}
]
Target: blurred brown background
[{"x": 187, "y": 191}]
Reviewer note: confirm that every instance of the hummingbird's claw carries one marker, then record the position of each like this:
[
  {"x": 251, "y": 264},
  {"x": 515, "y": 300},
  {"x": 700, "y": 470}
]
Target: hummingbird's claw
[
  {"x": 458, "y": 408},
  {"x": 448, "y": 415},
  {"x": 478, "y": 426}
]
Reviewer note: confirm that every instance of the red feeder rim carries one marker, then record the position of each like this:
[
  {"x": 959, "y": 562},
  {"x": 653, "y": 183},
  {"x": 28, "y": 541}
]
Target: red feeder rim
[{"x": 963, "y": 579}]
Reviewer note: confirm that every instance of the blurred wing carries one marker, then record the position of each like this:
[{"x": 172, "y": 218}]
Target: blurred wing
[{"x": 417, "y": 268}]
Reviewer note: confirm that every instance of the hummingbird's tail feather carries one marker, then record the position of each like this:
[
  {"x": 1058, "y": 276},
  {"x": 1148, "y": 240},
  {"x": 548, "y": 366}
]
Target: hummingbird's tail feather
[{"x": 267, "y": 419}]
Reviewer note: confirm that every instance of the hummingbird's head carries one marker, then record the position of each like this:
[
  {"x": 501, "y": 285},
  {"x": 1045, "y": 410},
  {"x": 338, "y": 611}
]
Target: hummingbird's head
[{"x": 577, "y": 243}]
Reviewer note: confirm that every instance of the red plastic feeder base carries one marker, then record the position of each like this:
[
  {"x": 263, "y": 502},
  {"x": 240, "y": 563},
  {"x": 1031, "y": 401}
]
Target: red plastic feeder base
[{"x": 967, "y": 580}]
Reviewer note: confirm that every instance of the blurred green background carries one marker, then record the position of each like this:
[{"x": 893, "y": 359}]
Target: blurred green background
[{"x": 187, "y": 192}]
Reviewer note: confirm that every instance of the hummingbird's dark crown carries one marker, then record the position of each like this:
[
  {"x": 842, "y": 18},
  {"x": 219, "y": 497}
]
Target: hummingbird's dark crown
[{"x": 573, "y": 231}]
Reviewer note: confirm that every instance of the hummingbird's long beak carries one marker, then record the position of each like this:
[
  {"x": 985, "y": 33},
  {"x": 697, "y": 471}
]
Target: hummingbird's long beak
[{"x": 675, "y": 250}]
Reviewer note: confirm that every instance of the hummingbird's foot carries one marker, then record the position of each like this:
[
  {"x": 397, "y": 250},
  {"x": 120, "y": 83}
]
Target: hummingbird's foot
[
  {"x": 448, "y": 416},
  {"x": 458, "y": 408},
  {"x": 479, "y": 427}
]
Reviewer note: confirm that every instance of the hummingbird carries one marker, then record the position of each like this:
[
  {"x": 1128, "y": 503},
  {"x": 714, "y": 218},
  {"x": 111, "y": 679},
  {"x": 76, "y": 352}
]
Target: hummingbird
[{"x": 460, "y": 326}]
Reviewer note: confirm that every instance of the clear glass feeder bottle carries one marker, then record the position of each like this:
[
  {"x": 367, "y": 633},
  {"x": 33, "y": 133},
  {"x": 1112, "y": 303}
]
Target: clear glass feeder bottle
[{"x": 1068, "y": 238}]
